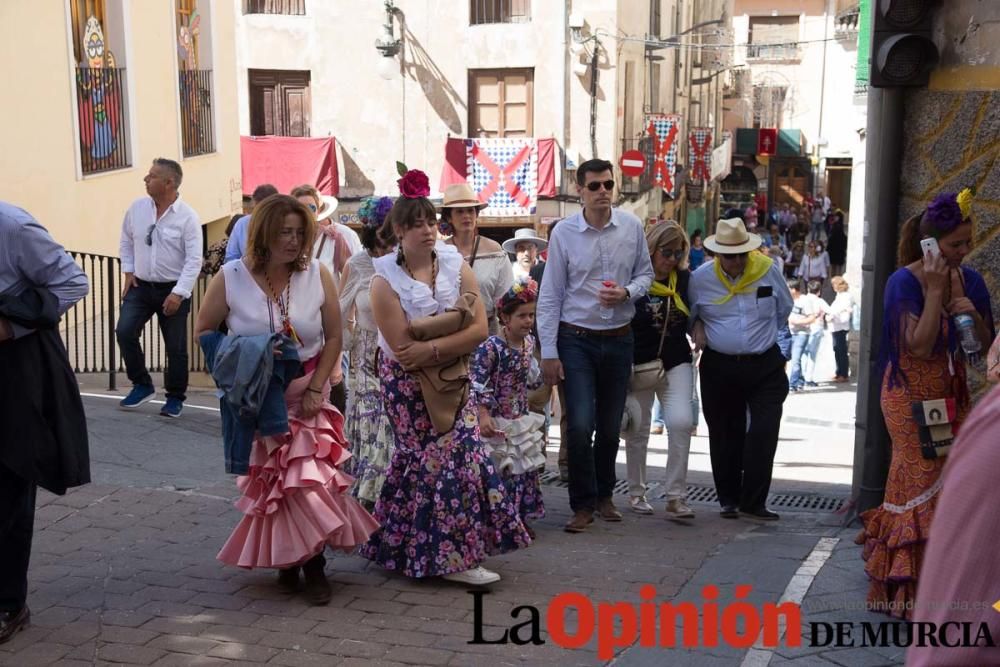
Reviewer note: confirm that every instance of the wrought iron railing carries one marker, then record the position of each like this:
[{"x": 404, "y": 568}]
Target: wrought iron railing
[
  {"x": 88, "y": 328},
  {"x": 197, "y": 127},
  {"x": 294, "y": 7},
  {"x": 788, "y": 51},
  {"x": 634, "y": 185},
  {"x": 499, "y": 11},
  {"x": 102, "y": 108}
]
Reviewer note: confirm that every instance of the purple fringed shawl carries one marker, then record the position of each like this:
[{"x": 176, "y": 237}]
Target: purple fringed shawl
[{"x": 903, "y": 297}]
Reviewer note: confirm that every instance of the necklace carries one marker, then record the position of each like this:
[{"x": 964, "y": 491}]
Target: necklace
[
  {"x": 284, "y": 303},
  {"x": 506, "y": 338},
  {"x": 434, "y": 272}
]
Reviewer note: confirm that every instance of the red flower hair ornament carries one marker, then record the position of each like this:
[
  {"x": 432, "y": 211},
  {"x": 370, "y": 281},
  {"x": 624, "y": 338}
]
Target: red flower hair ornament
[{"x": 414, "y": 183}]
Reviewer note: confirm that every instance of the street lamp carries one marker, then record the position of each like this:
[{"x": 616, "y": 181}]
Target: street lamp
[{"x": 388, "y": 46}]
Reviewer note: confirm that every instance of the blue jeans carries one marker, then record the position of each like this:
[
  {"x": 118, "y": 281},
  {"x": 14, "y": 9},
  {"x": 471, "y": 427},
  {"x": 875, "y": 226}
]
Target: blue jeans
[
  {"x": 597, "y": 371},
  {"x": 140, "y": 304},
  {"x": 805, "y": 345}
]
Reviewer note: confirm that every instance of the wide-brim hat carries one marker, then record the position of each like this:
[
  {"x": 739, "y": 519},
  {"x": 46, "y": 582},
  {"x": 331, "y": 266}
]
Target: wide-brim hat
[
  {"x": 631, "y": 417},
  {"x": 732, "y": 238},
  {"x": 461, "y": 195},
  {"x": 523, "y": 235},
  {"x": 328, "y": 205}
]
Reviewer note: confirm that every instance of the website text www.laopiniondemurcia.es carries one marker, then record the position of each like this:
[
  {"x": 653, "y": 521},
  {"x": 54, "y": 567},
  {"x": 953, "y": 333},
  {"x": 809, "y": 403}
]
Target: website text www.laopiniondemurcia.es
[{"x": 738, "y": 624}]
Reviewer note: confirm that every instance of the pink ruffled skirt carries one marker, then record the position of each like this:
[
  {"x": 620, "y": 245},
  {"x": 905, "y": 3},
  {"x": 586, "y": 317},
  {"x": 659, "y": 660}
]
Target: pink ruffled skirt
[{"x": 295, "y": 498}]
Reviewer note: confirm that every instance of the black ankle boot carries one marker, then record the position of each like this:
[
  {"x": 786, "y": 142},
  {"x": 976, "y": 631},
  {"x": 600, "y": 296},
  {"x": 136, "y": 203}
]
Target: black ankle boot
[
  {"x": 288, "y": 578},
  {"x": 317, "y": 587}
]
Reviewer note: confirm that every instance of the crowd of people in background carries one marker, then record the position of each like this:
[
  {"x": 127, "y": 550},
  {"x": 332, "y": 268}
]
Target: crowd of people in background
[{"x": 390, "y": 392}]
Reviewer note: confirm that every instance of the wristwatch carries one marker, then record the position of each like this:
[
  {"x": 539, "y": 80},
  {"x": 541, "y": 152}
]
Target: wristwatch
[{"x": 628, "y": 295}]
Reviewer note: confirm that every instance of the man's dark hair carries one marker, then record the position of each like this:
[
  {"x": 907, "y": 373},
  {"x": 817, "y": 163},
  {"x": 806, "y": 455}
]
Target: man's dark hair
[
  {"x": 173, "y": 167},
  {"x": 594, "y": 166},
  {"x": 263, "y": 191}
]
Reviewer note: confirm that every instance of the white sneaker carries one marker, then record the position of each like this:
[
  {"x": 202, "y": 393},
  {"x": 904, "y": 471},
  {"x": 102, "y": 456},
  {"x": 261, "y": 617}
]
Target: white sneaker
[
  {"x": 676, "y": 509},
  {"x": 477, "y": 576},
  {"x": 639, "y": 505}
]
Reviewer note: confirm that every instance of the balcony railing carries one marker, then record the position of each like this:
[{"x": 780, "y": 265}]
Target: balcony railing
[
  {"x": 102, "y": 108},
  {"x": 634, "y": 185},
  {"x": 499, "y": 11},
  {"x": 789, "y": 51},
  {"x": 88, "y": 328},
  {"x": 293, "y": 7},
  {"x": 197, "y": 128}
]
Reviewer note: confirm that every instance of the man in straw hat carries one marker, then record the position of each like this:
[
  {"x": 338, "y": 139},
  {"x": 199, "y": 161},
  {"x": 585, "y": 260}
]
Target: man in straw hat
[
  {"x": 525, "y": 247},
  {"x": 739, "y": 303},
  {"x": 598, "y": 267}
]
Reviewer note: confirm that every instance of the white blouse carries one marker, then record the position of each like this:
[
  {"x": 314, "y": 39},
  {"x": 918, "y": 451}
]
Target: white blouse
[
  {"x": 356, "y": 291},
  {"x": 416, "y": 298},
  {"x": 252, "y": 312}
]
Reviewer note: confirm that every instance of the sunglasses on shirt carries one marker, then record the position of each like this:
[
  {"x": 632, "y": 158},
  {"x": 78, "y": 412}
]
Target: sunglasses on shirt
[
  {"x": 149, "y": 235},
  {"x": 594, "y": 186}
]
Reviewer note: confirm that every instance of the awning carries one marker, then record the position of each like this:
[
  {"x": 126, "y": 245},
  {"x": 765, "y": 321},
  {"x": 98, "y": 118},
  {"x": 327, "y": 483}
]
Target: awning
[
  {"x": 286, "y": 162},
  {"x": 789, "y": 142}
]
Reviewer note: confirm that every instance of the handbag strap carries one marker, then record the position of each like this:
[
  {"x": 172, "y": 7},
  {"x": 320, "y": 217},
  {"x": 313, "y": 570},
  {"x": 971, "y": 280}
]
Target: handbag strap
[
  {"x": 663, "y": 334},
  {"x": 475, "y": 249}
]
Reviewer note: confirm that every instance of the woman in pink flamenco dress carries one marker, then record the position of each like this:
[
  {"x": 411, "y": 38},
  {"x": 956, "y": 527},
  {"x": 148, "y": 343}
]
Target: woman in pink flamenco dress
[{"x": 295, "y": 497}]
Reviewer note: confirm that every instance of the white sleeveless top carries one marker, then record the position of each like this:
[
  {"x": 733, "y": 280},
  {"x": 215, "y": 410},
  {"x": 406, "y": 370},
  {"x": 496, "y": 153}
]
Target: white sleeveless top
[
  {"x": 415, "y": 297},
  {"x": 251, "y": 312}
]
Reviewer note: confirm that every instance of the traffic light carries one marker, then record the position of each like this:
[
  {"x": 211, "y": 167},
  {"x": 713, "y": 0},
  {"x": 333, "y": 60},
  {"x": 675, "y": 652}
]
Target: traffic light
[{"x": 903, "y": 53}]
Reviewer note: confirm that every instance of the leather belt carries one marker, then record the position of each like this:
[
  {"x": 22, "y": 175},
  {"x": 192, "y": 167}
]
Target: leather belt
[
  {"x": 603, "y": 333},
  {"x": 742, "y": 357}
]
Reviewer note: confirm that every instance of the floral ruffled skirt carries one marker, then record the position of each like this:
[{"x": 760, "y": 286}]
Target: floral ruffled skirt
[{"x": 443, "y": 508}]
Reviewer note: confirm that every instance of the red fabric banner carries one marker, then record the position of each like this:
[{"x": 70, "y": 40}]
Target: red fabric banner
[
  {"x": 286, "y": 162},
  {"x": 456, "y": 167},
  {"x": 767, "y": 141}
]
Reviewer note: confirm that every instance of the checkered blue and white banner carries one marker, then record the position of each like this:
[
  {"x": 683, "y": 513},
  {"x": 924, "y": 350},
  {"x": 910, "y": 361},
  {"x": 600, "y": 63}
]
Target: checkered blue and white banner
[{"x": 504, "y": 174}]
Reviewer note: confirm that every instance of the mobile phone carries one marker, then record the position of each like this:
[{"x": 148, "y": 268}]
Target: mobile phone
[{"x": 930, "y": 246}]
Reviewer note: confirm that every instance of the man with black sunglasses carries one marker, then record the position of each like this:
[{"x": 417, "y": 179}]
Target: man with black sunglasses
[
  {"x": 598, "y": 266},
  {"x": 161, "y": 257}
]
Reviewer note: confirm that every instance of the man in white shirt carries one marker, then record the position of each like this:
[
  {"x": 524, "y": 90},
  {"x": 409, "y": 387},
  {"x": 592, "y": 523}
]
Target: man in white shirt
[
  {"x": 598, "y": 266},
  {"x": 525, "y": 247},
  {"x": 161, "y": 247},
  {"x": 739, "y": 306},
  {"x": 806, "y": 325}
]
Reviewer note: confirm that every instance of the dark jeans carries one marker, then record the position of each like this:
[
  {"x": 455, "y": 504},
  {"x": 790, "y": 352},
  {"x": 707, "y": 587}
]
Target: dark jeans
[
  {"x": 597, "y": 371},
  {"x": 840, "y": 352},
  {"x": 742, "y": 458},
  {"x": 140, "y": 304},
  {"x": 17, "y": 521}
]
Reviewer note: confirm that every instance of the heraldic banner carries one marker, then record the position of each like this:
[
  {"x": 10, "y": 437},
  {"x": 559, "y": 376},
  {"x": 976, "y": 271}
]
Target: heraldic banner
[
  {"x": 700, "y": 153},
  {"x": 507, "y": 174},
  {"x": 664, "y": 129}
]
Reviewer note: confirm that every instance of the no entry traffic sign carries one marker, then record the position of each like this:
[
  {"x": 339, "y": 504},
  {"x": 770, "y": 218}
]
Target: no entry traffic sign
[{"x": 633, "y": 163}]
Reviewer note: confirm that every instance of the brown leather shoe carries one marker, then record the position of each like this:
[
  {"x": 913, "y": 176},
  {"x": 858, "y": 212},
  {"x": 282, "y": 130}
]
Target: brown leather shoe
[
  {"x": 12, "y": 622},
  {"x": 607, "y": 510},
  {"x": 581, "y": 519}
]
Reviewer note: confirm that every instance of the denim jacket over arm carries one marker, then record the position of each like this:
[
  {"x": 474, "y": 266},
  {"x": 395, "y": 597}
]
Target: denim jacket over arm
[{"x": 252, "y": 383}]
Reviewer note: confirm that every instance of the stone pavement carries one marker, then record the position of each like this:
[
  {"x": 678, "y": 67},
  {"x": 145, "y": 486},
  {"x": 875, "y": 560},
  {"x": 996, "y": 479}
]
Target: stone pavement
[{"x": 124, "y": 572}]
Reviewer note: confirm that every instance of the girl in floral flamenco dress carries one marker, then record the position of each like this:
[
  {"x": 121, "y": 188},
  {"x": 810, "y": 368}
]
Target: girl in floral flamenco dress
[{"x": 503, "y": 371}]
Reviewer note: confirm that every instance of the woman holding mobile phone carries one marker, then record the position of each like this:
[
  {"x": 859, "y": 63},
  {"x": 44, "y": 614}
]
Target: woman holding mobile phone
[{"x": 920, "y": 360}]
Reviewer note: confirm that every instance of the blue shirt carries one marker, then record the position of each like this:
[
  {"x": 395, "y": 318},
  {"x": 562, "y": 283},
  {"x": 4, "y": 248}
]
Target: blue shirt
[
  {"x": 237, "y": 245},
  {"x": 749, "y": 322},
  {"x": 580, "y": 259},
  {"x": 30, "y": 256}
]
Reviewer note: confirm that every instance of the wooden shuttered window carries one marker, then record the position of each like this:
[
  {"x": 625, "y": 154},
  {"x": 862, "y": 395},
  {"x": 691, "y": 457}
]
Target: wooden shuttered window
[
  {"x": 280, "y": 103},
  {"x": 501, "y": 103}
]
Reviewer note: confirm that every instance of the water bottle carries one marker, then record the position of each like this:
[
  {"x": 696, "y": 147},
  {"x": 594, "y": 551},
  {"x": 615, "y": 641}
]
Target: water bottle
[
  {"x": 966, "y": 326},
  {"x": 606, "y": 312}
]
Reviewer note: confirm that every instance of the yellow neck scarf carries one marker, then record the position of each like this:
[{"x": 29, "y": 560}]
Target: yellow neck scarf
[
  {"x": 757, "y": 266},
  {"x": 670, "y": 291}
]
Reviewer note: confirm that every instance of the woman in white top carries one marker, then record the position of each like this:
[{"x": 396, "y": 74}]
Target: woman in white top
[
  {"x": 295, "y": 498},
  {"x": 367, "y": 426},
  {"x": 443, "y": 508},
  {"x": 815, "y": 264},
  {"x": 838, "y": 318},
  {"x": 460, "y": 219}
]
